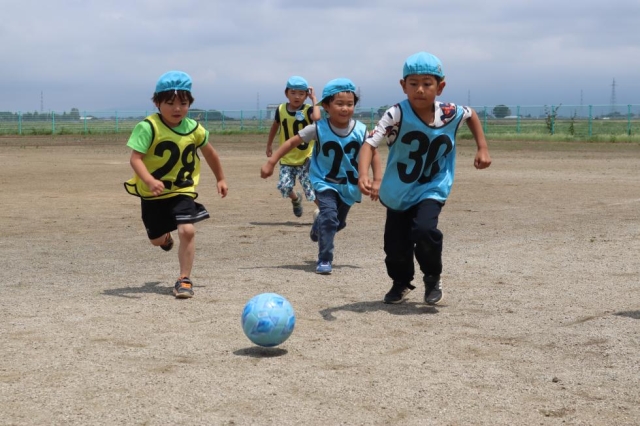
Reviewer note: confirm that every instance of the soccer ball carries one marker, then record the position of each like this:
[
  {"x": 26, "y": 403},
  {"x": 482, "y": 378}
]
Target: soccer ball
[{"x": 268, "y": 319}]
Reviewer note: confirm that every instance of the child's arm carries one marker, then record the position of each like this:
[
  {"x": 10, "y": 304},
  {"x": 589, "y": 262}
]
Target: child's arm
[
  {"x": 213, "y": 160},
  {"x": 155, "y": 186},
  {"x": 316, "y": 114},
  {"x": 267, "y": 168},
  {"x": 376, "y": 165},
  {"x": 272, "y": 134},
  {"x": 367, "y": 153},
  {"x": 482, "y": 159}
]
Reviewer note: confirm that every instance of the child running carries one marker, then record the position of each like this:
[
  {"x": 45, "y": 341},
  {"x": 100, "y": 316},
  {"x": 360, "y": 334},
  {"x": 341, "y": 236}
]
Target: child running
[
  {"x": 334, "y": 165},
  {"x": 290, "y": 118},
  {"x": 167, "y": 170},
  {"x": 421, "y": 135}
]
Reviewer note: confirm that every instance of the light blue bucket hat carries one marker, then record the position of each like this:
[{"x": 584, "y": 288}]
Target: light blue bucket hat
[
  {"x": 297, "y": 83},
  {"x": 338, "y": 85},
  {"x": 173, "y": 80},
  {"x": 422, "y": 63}
]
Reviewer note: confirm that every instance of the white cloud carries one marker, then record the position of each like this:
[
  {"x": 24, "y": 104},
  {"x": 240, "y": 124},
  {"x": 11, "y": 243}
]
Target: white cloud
[{"x": 105, "y": 55}]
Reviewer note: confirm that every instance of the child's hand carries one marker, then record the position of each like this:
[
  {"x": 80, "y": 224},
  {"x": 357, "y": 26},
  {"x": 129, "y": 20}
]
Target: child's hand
[
  {"x": 364, "y": 185},
  {"x": 375, "y": 190},
  {"x": 482, "y": 160},
  {"x": 223, "y": 189},
  {"x": 156, "y": 187},
  {"x": 266, "y": 170},
  {"x": 311, "y": 94},
  {"x": 269, "y": 151}
]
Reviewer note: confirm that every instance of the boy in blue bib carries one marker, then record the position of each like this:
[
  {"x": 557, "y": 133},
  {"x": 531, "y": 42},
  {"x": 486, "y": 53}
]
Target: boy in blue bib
[
  {"x": 421, "y": 135},
  {"x": 334, "y": 165}
]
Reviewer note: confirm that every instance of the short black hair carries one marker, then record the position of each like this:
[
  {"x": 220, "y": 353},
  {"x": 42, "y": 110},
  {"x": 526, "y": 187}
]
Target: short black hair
[
  {"x": 170, "y": 95},
  {"x": 438, "y": 79},
  {"x": 328, "y": 99}
]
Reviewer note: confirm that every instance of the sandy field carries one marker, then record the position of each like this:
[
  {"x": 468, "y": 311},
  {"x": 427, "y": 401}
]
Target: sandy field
[{"x": 540, "y": 324}]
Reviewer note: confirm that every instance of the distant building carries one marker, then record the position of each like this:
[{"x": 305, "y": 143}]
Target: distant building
[{"x": 271, "y": 111}]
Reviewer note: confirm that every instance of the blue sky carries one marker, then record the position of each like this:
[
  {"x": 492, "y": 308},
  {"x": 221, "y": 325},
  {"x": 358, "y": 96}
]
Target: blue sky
[{"x": 105, "y": 55}]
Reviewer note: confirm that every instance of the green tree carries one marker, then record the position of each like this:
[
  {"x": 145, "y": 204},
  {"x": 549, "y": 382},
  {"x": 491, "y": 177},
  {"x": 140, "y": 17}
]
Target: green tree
[
  {"x": 501, "y": 111},
  {"x": 382, "y": 110},
  {"x": 74, "y": 114}
]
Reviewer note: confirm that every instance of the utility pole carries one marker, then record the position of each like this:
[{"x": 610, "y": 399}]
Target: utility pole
[{"x": 613, "y": 96}]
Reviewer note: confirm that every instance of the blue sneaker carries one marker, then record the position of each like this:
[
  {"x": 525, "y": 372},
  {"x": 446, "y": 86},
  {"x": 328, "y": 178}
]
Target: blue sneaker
[{"x": 323, "y": 268}]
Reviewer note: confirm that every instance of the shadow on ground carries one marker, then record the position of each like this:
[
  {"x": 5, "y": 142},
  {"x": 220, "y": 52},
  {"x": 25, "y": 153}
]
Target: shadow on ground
[
  {"x": 152, "y": 287},
  {"x": 260, "y": 352},
  {"x": 406, "y": 308}
]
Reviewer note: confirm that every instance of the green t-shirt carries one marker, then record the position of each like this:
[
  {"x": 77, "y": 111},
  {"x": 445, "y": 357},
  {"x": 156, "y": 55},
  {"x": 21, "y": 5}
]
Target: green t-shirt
[{"x": 142, "y": 135}]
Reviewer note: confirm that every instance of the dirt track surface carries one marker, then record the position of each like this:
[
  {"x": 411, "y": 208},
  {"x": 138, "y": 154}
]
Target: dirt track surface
[{"x": 540, "y": 322}]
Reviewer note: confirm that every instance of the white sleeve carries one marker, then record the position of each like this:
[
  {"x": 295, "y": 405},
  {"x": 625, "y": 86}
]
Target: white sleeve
[
  {"x": 387, "y": 127},
  {"x": 308, "y": 133}
]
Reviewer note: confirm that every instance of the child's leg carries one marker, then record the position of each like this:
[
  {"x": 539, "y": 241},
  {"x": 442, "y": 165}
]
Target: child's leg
[
  {"x": 160, "y": 240},
  {"x": 398, "y": 246},
  {"x": 286, "y": 182},
  {"x": 343, "y": 211},
  {"x": 158, "y": 222},
  {"x": 305, "y": 182},
  {"x": 187, "y": 250},
  {"x": 428, "y": 238},
  {"x": 327, "y": 223}
]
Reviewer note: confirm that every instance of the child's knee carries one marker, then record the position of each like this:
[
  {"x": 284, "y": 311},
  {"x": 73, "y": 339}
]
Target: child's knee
[{"x": 186, "y": 231}]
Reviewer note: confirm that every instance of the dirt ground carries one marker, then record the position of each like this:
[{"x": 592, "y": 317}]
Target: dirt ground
[{"x": 540, "y": 323}]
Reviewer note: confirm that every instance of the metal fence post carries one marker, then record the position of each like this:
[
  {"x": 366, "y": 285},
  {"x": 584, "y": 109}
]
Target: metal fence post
[
  {"x": 19, "y": 123},
  {"x": 518, "y": 119},
  {"x": 590, "y": 121},
  {"x": 85, "y": 122},
  {"x": 53, "y": 122},
  {"x": 116, "y": 114},
  {"x": 629, "y": 120},
  {"x": 484, "y": 121}
]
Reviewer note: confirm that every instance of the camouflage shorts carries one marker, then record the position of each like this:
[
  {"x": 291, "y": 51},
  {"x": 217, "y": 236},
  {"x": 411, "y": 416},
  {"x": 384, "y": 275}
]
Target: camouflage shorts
[{"x": 287, "y": 181}]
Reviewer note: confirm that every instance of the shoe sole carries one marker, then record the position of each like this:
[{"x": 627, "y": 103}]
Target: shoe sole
[
  {"x": 323, "y": 273},
  {"x": 436, "y": 302},
  {"x": 182, "y": 295}
]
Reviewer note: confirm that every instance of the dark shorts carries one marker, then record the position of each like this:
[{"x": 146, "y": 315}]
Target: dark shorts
[{"x": 162, "y": 216}]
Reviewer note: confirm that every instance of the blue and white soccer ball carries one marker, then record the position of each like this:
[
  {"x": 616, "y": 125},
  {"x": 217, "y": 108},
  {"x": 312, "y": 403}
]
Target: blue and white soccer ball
[{"x": 268, "y": 319}]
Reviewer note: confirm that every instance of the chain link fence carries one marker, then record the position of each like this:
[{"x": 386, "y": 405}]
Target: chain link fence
[{"x": 588, "y": 122}]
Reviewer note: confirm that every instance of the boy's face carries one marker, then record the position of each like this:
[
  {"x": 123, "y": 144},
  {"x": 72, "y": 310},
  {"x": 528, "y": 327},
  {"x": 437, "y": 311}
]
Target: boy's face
[
  {"x": 341, "y": 109},
  {"x": 296, "y": 97},
  {"x": 173, "y": 111},
  {"x": 422, "y": 89}
]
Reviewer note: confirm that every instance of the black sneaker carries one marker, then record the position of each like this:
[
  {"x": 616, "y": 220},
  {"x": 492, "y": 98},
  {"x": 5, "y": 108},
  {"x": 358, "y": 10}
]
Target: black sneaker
[
  {"x": 432, "y": 290},
  {"x": 183, "y": 288},
  {"x": 398, "y": 292},
  {"x": 297, "y": 205},
  {"x": 168, "y": 242}
]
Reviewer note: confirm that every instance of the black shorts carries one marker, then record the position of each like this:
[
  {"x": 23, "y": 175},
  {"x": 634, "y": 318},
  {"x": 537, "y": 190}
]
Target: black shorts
[{"x": 164, "y": 215}]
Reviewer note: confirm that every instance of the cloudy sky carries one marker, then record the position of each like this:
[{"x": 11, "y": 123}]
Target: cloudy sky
[{"x": 107, "y": 55}]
